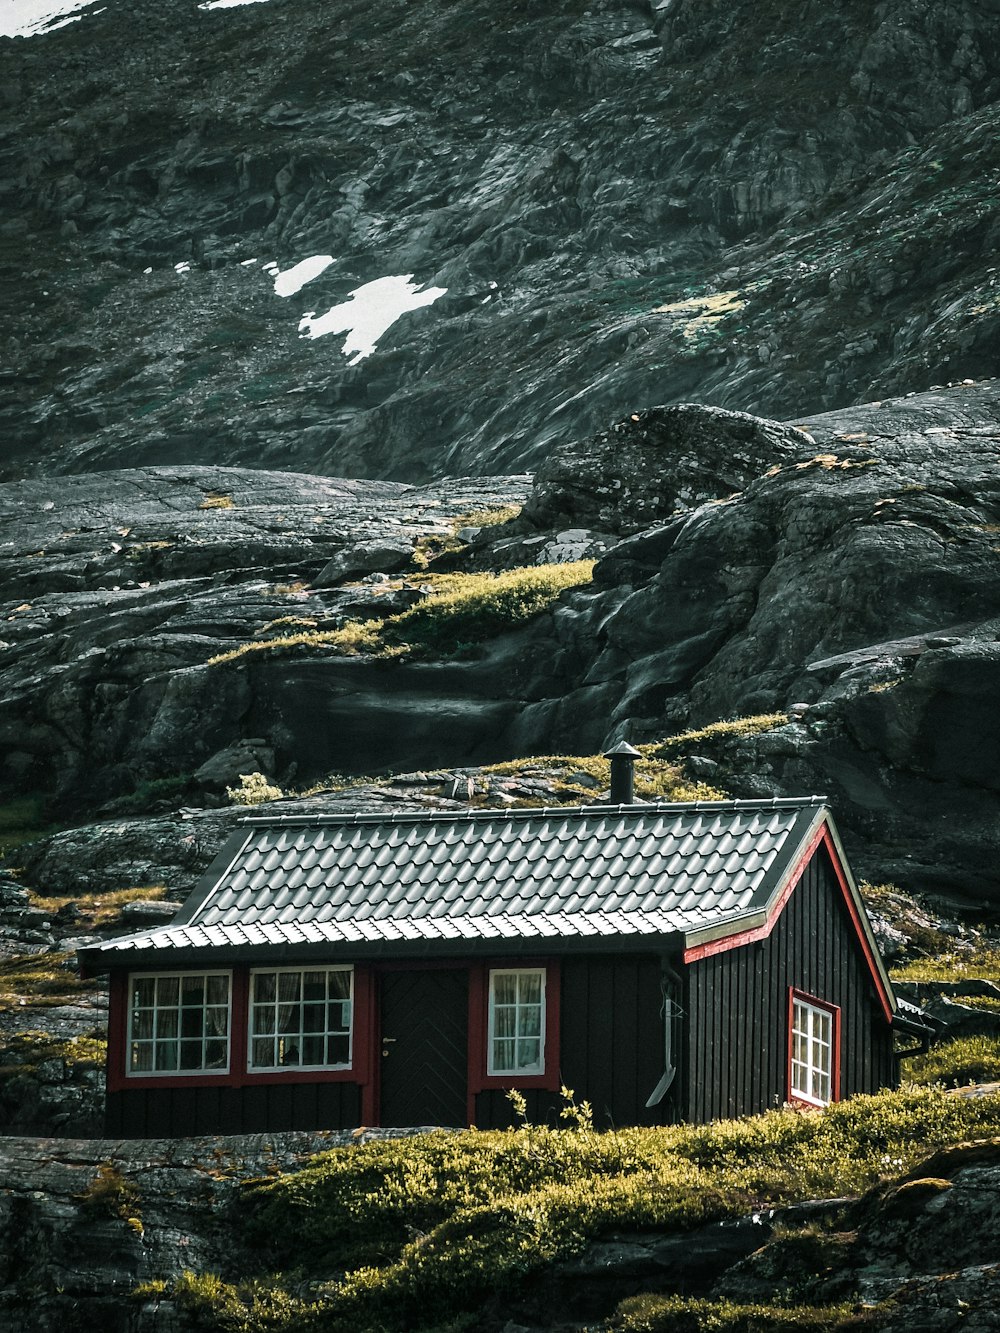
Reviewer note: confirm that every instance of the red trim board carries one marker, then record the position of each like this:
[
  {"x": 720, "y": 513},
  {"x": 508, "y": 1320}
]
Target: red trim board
[{"x": 823, "y": 837}]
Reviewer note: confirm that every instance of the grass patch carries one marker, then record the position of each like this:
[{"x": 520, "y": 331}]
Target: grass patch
[
  {"x": 96, "y": 911},
  {"x": 42, "y": 980},
  {"x": 717, "y": 731},
  {"x": 956, "y": 1063},
  {"x": 683, "y": 1314},
  {"x": 217, "y": 500},
  {"x": 110, "y": 1194},
  {"x": 464, "y": 610},
  {"x": 655, "y": 779},
  {"x": 428, "y": 549},
  {"x": 977, "y": 964},
  {"x": 702, "y": 315},
  {"x": 431, "y": 1227}
]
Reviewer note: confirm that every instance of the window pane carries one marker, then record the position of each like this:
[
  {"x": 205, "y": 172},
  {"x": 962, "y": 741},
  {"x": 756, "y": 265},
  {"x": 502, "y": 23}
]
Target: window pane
[
  {"x": 505, "y": 988},
  {"x": 527, "y": 1053},
  {"x": 312, "y": 1050},
  {"x": 289, "y": 986},
  {"x": 503, "y": 1056},
  {"x": 215, "y": 1054},
  {"x": 529, "y": 1021},
  {"x": 263, "y": 1019},
  {"x": 340, "y": 985},
  {"x": 166, "y": 1022},
  {"x": 339, "y": 1016},
  {"x": 167, "y": 989},
  {"x": 529, "y": 988},
  {"x": 166, "y": 1055},
  {"x": 313, "y": 1017},
  {"x": 191, "y": 1022},
  {"x": 142, "y": 1055},
  {"x": 217, "y": 991},
  {"x": 288, "y": 1051},
  {"x": 191, "y": 1054},
  {"x": 142, "y": 1023},
  {"x": 314, "y": 986},
  {"x": 217, "y": 1022},
  {"x": 264, "y": 986},
  {"x": 263, "y": 1052},
  {"x": 504, "y": 1022},
  {"x": 193, "y": 990},
  {"x": 143, "y": 991},
  {"x": 338, "y": 1051}
]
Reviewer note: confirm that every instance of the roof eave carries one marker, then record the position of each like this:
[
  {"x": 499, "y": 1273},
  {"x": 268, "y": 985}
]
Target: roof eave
[{"x": 99, "y": 961}]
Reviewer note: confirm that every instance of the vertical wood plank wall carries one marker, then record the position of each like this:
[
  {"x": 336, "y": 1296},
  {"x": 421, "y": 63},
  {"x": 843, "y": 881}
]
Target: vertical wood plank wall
[
  {"x": 611, "y": 1045},
  {"x": 153, "y": 1113},
  {"x": 736, "y": 1030}
]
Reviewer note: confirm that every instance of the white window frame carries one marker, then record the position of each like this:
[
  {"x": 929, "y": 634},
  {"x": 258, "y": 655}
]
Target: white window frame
[
  {"x": 525, "y": 1071},
  {"x": 817, "y": 1045},
  {"x": 200, "y": 1071},
  {"x": 252, "y": 1067}
]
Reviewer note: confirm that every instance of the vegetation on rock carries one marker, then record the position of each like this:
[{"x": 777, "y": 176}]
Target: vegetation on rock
[
  {"x": 464, "y": 610},
  {"x": 411, "y": 1233}
]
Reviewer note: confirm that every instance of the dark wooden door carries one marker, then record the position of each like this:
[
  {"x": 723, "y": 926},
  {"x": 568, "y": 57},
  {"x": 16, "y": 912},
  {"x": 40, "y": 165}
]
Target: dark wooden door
[{"x": 424, "y": 1049}]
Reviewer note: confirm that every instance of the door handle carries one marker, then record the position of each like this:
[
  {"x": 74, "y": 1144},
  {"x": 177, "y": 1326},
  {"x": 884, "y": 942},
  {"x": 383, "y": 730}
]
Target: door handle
[{"x": 386, "y": 1043}]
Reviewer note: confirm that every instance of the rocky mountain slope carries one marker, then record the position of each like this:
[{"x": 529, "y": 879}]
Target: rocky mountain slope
[{"x": 625, "y": 203}]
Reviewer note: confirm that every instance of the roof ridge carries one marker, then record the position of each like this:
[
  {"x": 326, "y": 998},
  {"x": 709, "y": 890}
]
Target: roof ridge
[{"x": 534, "y": 811}]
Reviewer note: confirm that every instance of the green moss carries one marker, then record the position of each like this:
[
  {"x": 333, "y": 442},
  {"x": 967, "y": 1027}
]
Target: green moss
[
  {"x": 682, "y": 1314},
  {"x": 717, "y": 731},
  {"x": 466, "y": 610},
  {"x": 43, "y": 980},
  {"x": 963, "y": 1060},
  {"x": 26, "y": 1050},
  {"x": 429, "y": 549}
]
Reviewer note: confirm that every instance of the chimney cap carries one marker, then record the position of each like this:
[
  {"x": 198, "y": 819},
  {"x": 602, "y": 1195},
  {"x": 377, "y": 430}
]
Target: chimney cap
[{"x": 622, "y": 748}]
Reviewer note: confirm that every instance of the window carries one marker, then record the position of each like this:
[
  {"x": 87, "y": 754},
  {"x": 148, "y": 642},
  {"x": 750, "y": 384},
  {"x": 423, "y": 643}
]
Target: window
[
  {"x": 813, "y": 1053},
  {"x": 517, "y": 1022},
  {"x": 178, "y": 1023},
  {"x": 301, "y": 1018}
]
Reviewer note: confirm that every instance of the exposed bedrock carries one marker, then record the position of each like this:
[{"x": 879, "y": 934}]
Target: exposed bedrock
[{"x": 843, "y": 568}]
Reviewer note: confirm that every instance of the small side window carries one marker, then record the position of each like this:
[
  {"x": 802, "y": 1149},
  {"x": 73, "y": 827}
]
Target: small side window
[
  {"x": 813, "y": 1051},
  {"x": 516, "y": 1038}
]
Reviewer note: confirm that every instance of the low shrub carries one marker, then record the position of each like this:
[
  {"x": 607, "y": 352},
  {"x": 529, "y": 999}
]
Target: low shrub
[
  {"x": 955, "y": 1063},
  {"x": 428, "y": 1227},
  {"x": 254, "y": 789},
  {"x": 682, "y": 1314}
]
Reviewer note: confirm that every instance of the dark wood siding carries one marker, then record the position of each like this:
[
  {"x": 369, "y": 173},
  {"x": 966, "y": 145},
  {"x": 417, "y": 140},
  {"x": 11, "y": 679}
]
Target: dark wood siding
[
  {"x": 611, "y": 1046},
  {"x": 736, "y": 1029},
  {"x": 149, "y": 1113}
]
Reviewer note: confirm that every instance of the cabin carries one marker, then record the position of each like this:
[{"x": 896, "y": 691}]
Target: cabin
[{"x": 667, "y": 962}]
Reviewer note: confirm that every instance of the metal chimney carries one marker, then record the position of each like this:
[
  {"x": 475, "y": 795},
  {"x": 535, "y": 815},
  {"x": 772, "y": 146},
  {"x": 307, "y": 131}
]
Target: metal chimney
[{"x": 623, "y": 758}]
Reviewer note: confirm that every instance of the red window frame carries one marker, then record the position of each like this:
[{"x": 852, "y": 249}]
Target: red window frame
[
  {"x": 550, "y": 1079},
  {"x": 803, "y": 997},
  {"x": 238, "y": 1076}
]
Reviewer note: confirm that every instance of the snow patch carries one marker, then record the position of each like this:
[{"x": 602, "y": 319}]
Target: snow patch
[
  {"x": 291, "y": 280},
  {"x": 369, "y": 312},
  {"x": 26, "y": 18},
  {"x": 229, "y": 4}
]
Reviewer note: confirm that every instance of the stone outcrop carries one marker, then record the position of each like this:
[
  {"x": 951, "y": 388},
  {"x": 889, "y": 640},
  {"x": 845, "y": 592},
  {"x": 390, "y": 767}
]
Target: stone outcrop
[{"x": 839, "y": 569}]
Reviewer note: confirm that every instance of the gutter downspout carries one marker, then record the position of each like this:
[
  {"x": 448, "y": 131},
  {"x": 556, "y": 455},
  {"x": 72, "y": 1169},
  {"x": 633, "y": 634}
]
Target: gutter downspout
[{"x": 670, "y": 985}]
